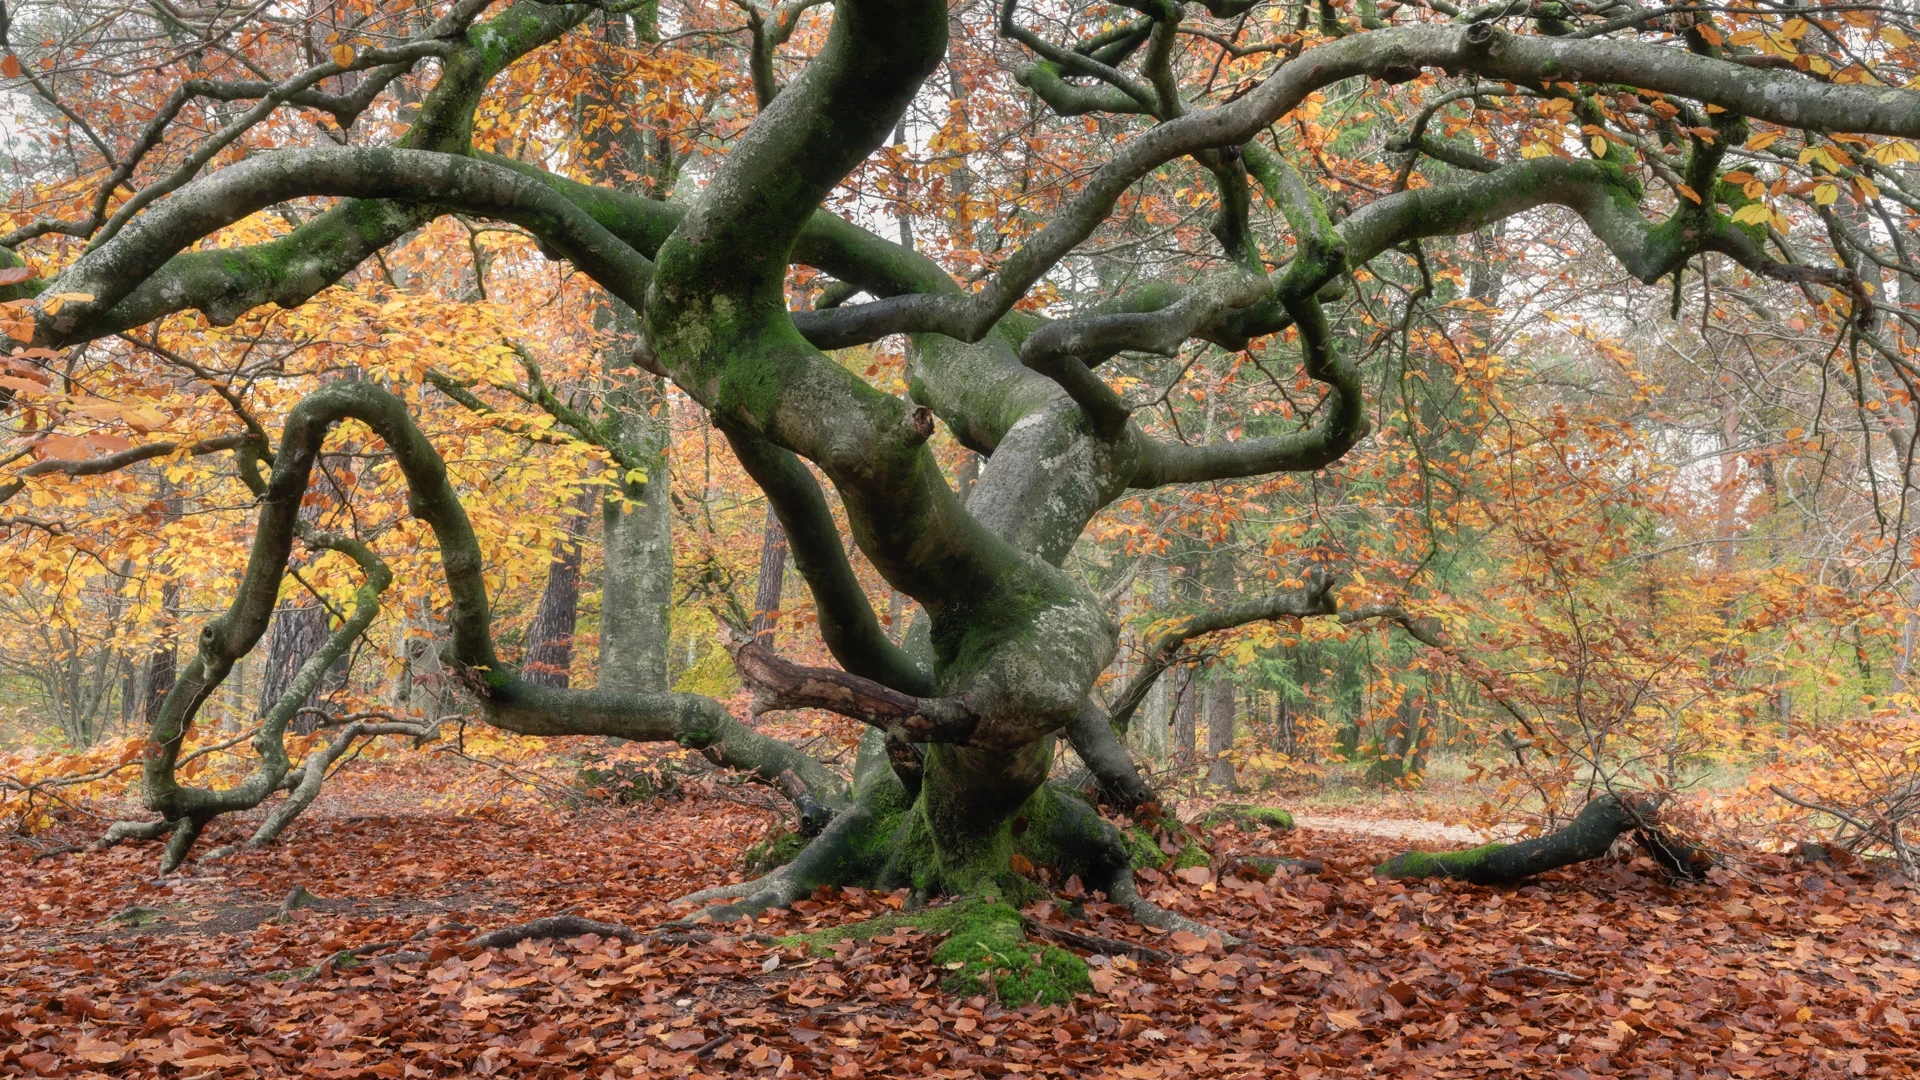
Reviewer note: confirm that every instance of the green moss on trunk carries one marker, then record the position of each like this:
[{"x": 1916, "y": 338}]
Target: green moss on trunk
[{"x": 1465, "y": 865}]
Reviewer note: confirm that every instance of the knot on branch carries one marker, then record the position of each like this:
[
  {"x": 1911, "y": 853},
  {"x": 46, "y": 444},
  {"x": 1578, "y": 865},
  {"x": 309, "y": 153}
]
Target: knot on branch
[{"x": 921, "y": 419}]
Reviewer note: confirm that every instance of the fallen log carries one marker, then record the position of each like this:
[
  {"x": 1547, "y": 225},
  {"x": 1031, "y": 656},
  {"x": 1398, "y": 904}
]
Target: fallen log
[{"x": 1588, "y": 836}]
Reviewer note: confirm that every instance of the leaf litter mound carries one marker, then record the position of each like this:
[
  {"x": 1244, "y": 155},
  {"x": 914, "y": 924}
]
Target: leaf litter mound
[{"x": 1771, "y": 969}]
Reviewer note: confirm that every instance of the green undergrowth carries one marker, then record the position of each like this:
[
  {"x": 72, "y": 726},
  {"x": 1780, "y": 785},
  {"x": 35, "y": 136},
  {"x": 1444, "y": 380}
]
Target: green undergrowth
[{"x": 986, "y": 951}]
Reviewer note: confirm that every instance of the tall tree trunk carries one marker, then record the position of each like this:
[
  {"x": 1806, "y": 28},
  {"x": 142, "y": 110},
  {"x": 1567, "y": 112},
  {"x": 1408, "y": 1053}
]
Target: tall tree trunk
[
  {"x": 636, "y": 586},
  {"x": 162, "y": 666},
  {"x": 772, "y": 581},
  {"x": 549, "y": 657},
  {"x": 1185, "y": 705},
  {"x": 129, "y": 688},
  {"x": 298, "y": 632},
  {"x": 1150, "y": 725},
  {"x": 1220, "y": 717},
  {"x": 1222, "y": 576}
]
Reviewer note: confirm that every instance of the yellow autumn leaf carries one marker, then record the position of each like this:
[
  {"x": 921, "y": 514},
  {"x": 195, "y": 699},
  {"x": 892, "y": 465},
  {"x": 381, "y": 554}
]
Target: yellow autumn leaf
[
  {"x": 1764, "y": 140},
  {"x": 343, "y": 55},
  {"x": 1825, "y": 194},
  {"x": 1895, "y": 37},
  {"x": 1752, "y": 214},
  {"x": 52, "y": 304},
  {"x": 1599, "y": 145}
]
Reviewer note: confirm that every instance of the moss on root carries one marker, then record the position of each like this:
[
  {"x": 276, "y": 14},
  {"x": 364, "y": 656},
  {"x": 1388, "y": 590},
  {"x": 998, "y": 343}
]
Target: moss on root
[
  {"x": 1248, "y": 817},
  {"x": 1143, "y": 848},
  {"x": 1192, "y": 855},
  {"x": 986, "y": 952},
  {"x": 776, "y": 850}
]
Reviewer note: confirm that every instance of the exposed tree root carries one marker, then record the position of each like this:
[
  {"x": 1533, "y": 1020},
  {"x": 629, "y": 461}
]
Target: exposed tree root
[
  {"x": 879, "y": 843},
  {"x": 121, "y": 831},
  {"x": 556, "y": 926},
  {"x": 297, "y": 898},
  {"x": 1092, "y": 943},
  {"x": 1122, "y": 890}
]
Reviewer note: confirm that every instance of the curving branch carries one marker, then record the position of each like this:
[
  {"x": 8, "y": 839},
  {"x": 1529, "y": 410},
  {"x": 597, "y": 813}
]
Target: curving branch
[
  {"x": 117, "y": 273},
  {"x": 848, "y": 625},
  {"x": 1313, "y": 598},
  {"x": 1322, "y": 252},
  {"x": 193, "y": 807},
  {"x": 288, "y": 271},
  {"x": 779, "y": 684},
  {"x": 119, "y": 459},
  {"x": 1393, "y": 55},
  {"x": 505, "y": 699}
]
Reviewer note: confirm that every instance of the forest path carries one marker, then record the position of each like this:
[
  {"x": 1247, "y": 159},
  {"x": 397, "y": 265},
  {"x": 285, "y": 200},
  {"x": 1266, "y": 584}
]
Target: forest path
[{"x": 1391, "y": 828}]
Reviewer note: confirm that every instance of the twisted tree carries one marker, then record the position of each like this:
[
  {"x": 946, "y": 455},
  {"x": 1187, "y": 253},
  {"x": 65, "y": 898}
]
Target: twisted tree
[{"x": 951, "y": 783}]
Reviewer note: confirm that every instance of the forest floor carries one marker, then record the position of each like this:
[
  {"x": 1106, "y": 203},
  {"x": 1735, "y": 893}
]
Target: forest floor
[{"x": 1769, "y": 969}]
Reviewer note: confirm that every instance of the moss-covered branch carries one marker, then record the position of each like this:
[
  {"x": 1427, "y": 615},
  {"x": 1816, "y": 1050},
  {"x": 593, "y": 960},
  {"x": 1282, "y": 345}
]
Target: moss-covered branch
[
  {"x": 1314, "y": 598},
  {"x": 848, "y": 625},
  {"x": 1588, "y": 836}
]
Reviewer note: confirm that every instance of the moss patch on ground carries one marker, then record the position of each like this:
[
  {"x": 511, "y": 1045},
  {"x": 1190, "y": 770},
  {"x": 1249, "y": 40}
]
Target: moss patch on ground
[
  {"x": 1248, "y": 817},
  {"x": 1192, "y": 855},
  {"x": 986, "y": 952},
  {"x": 776, "y": 850}
]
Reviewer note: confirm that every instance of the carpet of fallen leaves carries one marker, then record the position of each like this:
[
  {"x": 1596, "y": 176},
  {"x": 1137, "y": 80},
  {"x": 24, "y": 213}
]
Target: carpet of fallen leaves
[{"x": 1771, "y": 969}]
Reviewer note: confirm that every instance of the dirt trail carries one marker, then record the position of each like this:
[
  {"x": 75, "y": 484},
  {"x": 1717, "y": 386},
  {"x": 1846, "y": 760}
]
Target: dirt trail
[{"x": 1414, "y": 829}]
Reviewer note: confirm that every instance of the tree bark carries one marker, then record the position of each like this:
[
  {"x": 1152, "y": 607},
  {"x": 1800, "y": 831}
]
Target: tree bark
[
  {"x": 549, "y": 657},
  {"x": 1155, "y": 718},
  {"x": 771, "y": 581},
  {"x": 162, "y": 665},
  {"x": 636, "y": 586},
  {"x": 298, "y": 632},
  {"x": 1220, "y": 718},
  {"x": 1185, "y": 705}
]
